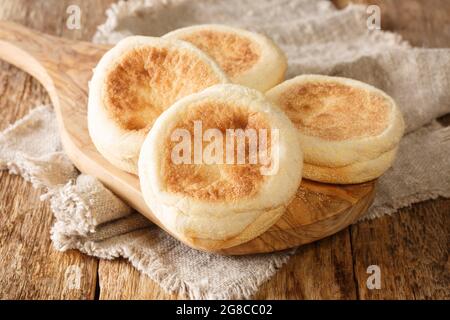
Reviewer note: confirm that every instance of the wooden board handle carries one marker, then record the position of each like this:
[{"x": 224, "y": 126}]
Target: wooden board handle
[
  {"x": 26, "y": 49},
  {"x": 44, "y": 56}
]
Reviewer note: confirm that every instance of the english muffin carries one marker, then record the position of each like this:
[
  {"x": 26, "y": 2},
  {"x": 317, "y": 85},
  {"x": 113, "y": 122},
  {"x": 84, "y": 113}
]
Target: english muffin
[
  {"x": 248, "y": 58},
  {"x": 134, "y": 83},
  {"x": 349, "y": 130},
  {"x": 211, "y": 198}
]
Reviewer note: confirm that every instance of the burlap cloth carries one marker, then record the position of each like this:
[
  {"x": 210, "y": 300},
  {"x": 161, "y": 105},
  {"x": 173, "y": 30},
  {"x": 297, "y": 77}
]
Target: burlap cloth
[{"x": 317, "y": 39}]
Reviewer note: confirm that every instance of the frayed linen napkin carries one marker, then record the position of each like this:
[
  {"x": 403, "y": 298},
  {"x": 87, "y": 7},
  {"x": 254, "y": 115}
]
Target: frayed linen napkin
[{"x": 317, "y": 39}]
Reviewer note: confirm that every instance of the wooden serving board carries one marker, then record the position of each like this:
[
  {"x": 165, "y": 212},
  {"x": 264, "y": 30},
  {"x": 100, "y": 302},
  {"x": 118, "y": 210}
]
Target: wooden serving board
[{"x": 64, "y": 67}]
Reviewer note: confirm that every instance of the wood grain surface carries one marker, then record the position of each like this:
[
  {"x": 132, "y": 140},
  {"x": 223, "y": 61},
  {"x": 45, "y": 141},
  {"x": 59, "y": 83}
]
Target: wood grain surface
[{"x": 410, "y": 247}]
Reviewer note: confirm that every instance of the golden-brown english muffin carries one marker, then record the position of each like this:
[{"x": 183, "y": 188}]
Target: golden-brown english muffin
[
  {"x": 198, "y": 184},
  {"x": 134, "y": 83},
  {"x": 248, "y": 58},
  {"x": 349, "y": 130}
]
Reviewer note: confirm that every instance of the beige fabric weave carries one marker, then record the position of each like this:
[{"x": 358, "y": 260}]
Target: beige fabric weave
[{"x": 317, "y": 39}]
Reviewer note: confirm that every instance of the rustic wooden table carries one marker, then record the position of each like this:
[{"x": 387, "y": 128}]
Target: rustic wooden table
[{"x": 411, "y": 248}]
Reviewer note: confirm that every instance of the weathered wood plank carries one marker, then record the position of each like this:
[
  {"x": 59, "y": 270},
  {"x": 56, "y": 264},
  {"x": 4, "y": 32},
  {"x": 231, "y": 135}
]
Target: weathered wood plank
[
  {"x": 30, "y": 267},
  {"x": 321, "y": 270},
  {"x": 411, "y": 250}
]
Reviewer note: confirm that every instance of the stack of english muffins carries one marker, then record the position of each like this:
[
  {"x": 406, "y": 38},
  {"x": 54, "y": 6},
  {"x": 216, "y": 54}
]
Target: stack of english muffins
[{"x": 150, "y": 95}]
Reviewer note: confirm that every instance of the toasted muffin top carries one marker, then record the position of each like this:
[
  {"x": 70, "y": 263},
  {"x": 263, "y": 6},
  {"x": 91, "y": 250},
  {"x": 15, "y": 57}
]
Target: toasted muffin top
[
  {"x": 247, "y": 58},
  {"x": 335, "y": 111},
  {"x": 234, "y": 53},
  {"x": 216, "y": 182},
  {"x": 145, "y": 80}
]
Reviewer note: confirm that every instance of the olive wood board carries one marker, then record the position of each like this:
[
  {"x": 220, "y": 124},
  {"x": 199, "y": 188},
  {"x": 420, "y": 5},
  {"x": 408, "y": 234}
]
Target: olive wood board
[{"x": 64, "y": 67}]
